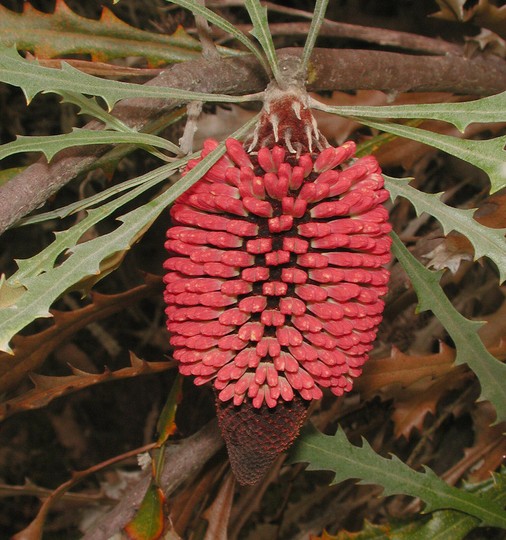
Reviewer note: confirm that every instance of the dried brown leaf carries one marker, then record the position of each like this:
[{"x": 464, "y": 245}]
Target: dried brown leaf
[
  {"x": 455, "y": 247},
  {"x": 182, "y": 506},
  {"x": 218, "y": 514},
  {"x": 403, "y": 370},
  {"x": 413, "y": 405},
  {"x": 102, "y": 69},
  {"x": 416, "y": 382},
  {"x": 482, "y": 13},
  {"x": 34, "y": 531},
  {"x": 488, "y": 450},
  {"x": 30, "y": 352},
  {"x": 48, "y": 388},
  {"x": 486, "y": 40},
  {"x": 495, "y": 329}
]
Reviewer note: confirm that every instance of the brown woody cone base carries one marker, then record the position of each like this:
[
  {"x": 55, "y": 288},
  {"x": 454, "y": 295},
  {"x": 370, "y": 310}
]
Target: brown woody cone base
[{"x": 256, "y": 436}]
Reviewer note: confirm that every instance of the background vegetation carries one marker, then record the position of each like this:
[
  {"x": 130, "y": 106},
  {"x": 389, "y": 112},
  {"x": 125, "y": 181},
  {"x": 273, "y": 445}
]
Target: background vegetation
[{"x": 86, "y": 368}]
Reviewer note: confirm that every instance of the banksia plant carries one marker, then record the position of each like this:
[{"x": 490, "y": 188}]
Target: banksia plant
[
  {"x": 276, "y": 266},
  {"x": 275, "y": 276}
]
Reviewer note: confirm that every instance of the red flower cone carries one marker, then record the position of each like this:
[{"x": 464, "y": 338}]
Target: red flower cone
[{"x": 275, "y": 277}]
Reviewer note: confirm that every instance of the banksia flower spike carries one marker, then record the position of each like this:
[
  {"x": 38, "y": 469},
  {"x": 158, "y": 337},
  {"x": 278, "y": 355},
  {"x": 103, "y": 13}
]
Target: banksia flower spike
[{"x": 275, "y": 277}]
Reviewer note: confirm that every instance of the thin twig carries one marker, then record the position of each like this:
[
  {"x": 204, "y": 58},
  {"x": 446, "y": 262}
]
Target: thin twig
[
  {"x": 186, "y": 141},
  {"x": 368, "y": 34}
]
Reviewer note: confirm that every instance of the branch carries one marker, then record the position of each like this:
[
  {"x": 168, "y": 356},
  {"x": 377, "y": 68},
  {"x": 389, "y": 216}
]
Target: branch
[
  {"x": 367, "y": 34},
  {"x": 330, "y": 70},
  {"x": 31, "y": 188},
  {"x": 182, "y": 460}
]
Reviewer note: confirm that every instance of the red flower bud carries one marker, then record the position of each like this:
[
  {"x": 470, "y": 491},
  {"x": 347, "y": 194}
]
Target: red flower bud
[{"x": 275, "y": 278}]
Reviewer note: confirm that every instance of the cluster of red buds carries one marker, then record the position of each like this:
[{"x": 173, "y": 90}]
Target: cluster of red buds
[{"x": 275, "y": 277}]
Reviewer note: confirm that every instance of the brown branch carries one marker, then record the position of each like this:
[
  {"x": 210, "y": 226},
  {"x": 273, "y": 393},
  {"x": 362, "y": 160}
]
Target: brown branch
[
  {"x": 336, "y": 29},
  {"x": 38, "y": 182},
  {"x": 330, "y": 70},
  {"x": 182, "y": 460},
  {"x": 396, "y": 72},
  {"x": 367, "y": 34}
]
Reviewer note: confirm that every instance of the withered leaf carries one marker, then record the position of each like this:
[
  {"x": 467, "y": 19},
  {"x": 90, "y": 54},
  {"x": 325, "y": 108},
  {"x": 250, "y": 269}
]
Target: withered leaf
[
  {"x": 48, "y": 388},
  {"x": 30, "y": 352}
]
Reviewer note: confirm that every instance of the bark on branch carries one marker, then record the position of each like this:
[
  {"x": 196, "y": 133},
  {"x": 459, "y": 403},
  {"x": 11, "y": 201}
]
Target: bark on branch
[
  {"x": 330, "y": 70},
  {"x": 182, "y": 460}
]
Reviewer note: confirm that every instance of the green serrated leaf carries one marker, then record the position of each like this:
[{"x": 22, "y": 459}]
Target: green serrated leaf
[
  {"x": 486, "y": 155},
  {"x": 220, "y": 22},
  {"x": 487, "y": 242},
  {"x": 45, "y": 282},
  {"x": 111, "y": 157},
  {"x": 65, "y": 32},
  {"x": 440, "y": 525},
  {"x": 373, "y": 144},
  {"x": 258, "y": 16},
  {"x": 445, "y": 524},
  {"x": 9, "y": 295},
  {"x": 391, "y": 530},
  {"x": 50, "y": 145},
  {"x": 45, "y": 260},
  {"x": 487, "y": 109},
  {"x": 91, "y": 107},
  {"x": 464, "y": 333},
  {"x": 84, "y": 260},
  {"x": 33, "y": 78},
  {"x": 347, "y": 461},
  {"x": 149, "y": 521},
  {"x": 100, "y": 197}
]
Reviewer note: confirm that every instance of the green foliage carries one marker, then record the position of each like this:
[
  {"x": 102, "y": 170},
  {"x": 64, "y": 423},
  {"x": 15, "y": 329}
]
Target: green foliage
[
  {"x": 220, "y": 22},
  {"x": 488, "y": 155},
  {"x": 43, "y": 283},
  {"x": 45, "y": 261},
  {"x": 69, "y": 263},
  {"x": 439, "y": 525},
  {"x": 93, "y": 200},
  {"x": 33, "y": 78},
  {"x": 148, "y": 523},
  {"x": 65, "y": 32},
  {"x": 347, "y": 461},
  {"x": 40, "y": 281},
  {"x": 487, "y": 242},
  {"x": 90, "y": 106},
  {"x": 258, "y": 16},
  {"x": 317, "y": 20},
  {"x": 52, "y": 144},
  {"x": 470, "y": 349},
  {"x": 461, "y": 115}
]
